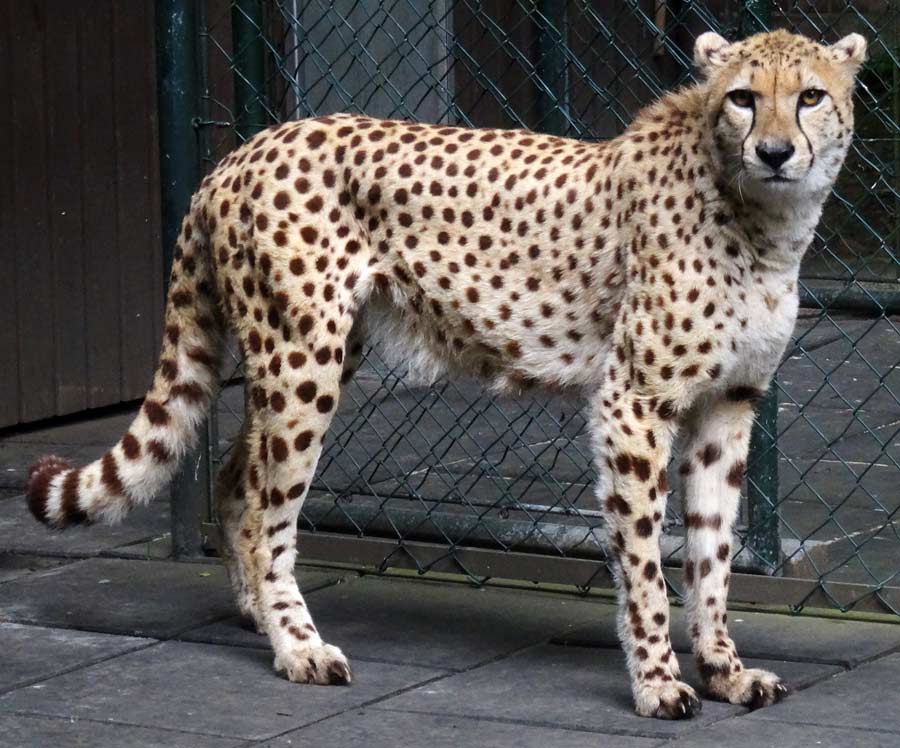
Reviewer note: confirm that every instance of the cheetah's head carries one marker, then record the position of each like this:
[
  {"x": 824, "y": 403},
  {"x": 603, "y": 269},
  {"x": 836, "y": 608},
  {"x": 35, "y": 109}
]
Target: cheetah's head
[{"x": 780, "y": 109}]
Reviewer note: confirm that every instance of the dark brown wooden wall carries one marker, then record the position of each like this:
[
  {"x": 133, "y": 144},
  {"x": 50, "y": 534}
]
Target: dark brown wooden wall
[{"x": 81, "y": 281}]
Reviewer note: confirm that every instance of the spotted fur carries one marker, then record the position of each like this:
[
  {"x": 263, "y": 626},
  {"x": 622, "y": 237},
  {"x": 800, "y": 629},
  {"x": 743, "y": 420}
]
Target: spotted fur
[{"x": 656, "y": 274}]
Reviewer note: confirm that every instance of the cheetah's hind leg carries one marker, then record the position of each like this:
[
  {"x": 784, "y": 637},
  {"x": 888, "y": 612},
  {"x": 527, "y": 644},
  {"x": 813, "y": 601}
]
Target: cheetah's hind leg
[
  {"x": 291, "y": 405},
  {"x": 238, "y": 557},
  {"x": 237, "y": 530}
]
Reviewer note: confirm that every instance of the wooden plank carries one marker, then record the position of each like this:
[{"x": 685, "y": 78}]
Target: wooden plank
[
  {"x": 34, "y": 277},
  {"x": 64, "y": 149},
  {"x": 99, "y": 204},
  {"x": 9, "y": 355},
  {"x": 133, "y": 126}
]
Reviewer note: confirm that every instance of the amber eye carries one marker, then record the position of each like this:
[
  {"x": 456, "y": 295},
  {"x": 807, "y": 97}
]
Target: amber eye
[
  {"x": 741, "y": 97},
  {"x": 811, "y": 96}
]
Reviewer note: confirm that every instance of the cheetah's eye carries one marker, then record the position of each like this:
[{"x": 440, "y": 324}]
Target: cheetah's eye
[
  {"x": 811, "y": 96},
  {"x": 741, "y": 97}
]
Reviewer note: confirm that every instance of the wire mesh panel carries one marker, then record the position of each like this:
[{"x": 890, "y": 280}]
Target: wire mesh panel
[{"x": 447, "y": 467}]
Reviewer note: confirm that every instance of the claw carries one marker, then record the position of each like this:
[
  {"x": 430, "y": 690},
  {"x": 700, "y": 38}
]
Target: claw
[
  {"x": 684, "y": 706},
  {"x": 339, "y": 674},
  {"x": 692, "y": 704},
  {"x": 758, "y": 699},
  {"x": 762, "y": 697}
]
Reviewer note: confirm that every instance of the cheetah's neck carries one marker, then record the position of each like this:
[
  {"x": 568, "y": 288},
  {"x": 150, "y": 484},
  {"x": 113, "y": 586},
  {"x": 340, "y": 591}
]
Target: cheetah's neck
[{"x": 779, "y": 233}]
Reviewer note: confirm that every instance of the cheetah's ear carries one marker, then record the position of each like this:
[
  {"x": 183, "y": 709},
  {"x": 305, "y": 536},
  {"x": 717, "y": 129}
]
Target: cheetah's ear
[
  {"x": 710, "y": 51},
  {"x": 851, "y": 51}
]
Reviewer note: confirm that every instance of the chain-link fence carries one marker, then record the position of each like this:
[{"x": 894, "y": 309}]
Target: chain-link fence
[{"x": 446, "y": 477}]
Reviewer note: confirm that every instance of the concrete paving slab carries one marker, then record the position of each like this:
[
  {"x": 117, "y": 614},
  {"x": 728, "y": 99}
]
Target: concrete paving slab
[
  {"x": 20, "y": 532},
  {"x": 470, "y": 429},
  {"x": 17, "y": 731},
  {"x": 865, "y": 698},
  {"x": 384, "y": 729},
  {"x": 432, "y": 624},
  {"x": 205, "y": 688},
  {"x": 566, "y": 687},
  {"x": 743, "y": 733},
  {"x": 146, "y": 598},
  {"x": 15, "y": 565},
  {"x": 442, "y": 628},
  {"x": 876, "y": 562},
  {"x": 863, "y": 356},
  {"x": 805, "y": 519},
  {"x": 569, "y": 687},
  {"x": 837, "y": 486},
  {"x": 777, "y": 637},
  {"x": 811, "y": 431},
  {"x": 32, "y": 653}
]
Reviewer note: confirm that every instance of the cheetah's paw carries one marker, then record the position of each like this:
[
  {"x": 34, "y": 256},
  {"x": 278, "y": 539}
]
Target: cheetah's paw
[
  {"x": 671, "y": 700},
  {"x": 751, "y": 688},
  {"x": 321, "y": 664}
]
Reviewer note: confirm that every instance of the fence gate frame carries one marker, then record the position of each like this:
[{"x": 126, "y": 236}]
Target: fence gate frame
[{"x": 184, "y": 123}]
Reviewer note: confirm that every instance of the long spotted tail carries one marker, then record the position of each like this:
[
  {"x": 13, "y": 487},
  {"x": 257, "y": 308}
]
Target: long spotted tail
[{"x": 145, "y": 459}]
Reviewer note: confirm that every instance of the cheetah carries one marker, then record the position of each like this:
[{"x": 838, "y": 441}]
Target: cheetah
[{"x": 655, "y": 275}]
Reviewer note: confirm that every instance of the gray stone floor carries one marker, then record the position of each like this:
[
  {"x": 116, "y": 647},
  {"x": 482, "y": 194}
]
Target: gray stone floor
[{"x": 105, "y": 645}]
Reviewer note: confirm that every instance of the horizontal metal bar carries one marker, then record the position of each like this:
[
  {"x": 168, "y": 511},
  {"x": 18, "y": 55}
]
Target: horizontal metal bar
[
  {"x": 764, "y": 590},
  {"x": 384, "y": 554},
  {"x": 402, "y": 518}
]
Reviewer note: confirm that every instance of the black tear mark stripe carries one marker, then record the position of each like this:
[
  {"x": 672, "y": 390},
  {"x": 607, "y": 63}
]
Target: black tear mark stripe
[
  {"x": 812, "y": 155},
  {"x": 749, "y": 132}
]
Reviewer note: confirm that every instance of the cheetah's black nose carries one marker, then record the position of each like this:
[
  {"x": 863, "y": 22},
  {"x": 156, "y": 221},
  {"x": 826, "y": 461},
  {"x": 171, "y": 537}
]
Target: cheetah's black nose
[{"x": 774, "y": 154}]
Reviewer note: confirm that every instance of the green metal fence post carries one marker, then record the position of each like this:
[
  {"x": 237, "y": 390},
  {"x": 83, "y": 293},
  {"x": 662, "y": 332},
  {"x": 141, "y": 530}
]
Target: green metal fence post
[
  {"x": 248, "y": 67},
  {"x": 177, "y": 100},
  {"x": 551, "y": 67},
  {"x": 763, "y": 537}
]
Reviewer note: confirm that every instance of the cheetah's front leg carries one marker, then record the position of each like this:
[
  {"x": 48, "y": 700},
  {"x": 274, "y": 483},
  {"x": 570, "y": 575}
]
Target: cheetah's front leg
[
  {"x": 712, "y": 464},
  {"x": 633, "y": 437}
]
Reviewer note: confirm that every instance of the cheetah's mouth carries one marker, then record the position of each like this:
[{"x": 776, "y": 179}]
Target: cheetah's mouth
[{"x": 777, "y": 178}]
